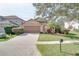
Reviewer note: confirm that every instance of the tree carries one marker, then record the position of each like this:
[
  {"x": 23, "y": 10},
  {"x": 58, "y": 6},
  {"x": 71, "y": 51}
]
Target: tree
[
  {"x": 49, "y": 10},
  {"x": 54, "y": 26}
]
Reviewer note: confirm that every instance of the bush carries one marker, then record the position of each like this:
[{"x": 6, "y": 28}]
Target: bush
[
  {"x": 62, "y": 30},
  {"x": 77, "y": 54},
  {"x": 57, "y": 28},
  {"x": 51, "y": 25},
  {"x": 66, "y": 31},
  {"x": 18, "y": 30},
  {"x": 77, "y": 30},
  {"x": 49, "y": 30},
  {"x": 8, "y": 30},
  {"x": 54, "y": 25}
]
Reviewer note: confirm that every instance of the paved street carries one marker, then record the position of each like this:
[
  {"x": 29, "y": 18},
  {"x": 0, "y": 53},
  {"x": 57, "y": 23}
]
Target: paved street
[{"x": 23, "y": 45}]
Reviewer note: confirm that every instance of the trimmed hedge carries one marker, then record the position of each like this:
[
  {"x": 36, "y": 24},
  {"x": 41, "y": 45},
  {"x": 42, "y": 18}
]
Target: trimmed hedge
[{"x": 18, "y": 30}]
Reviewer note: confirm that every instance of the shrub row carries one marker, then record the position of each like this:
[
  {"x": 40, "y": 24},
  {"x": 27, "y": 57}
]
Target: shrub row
[
  {"x": 18, "y": 30},
  {"x": 13, "y": 30}
]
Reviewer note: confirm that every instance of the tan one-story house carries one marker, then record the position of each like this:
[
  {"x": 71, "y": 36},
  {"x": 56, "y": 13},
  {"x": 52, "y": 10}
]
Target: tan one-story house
[{"x": 34, "y": 26}]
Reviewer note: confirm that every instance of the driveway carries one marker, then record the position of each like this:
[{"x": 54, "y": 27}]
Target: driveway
[{"x": 22, "y": 45}]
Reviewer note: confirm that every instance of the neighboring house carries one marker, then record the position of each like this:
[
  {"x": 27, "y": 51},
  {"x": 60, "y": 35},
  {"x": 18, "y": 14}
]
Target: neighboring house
[
  {"x": 74, "y": 24},
  {"x": 2, "y": 25},
  {"x": 14, "y": 20},
  {"x": 63, "y": 20},
  {"x": 34, "y": 26},
  {"x": 10, "y": 21}
]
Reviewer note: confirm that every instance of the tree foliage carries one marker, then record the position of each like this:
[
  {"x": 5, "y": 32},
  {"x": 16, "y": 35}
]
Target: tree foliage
[
  {"x": 49, "y": 10},
  {"x": 55, "y": 26}
]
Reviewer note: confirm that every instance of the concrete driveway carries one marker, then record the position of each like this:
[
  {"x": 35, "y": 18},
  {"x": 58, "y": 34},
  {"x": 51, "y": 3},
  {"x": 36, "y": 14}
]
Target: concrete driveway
[{"x": 23, "y": 45}]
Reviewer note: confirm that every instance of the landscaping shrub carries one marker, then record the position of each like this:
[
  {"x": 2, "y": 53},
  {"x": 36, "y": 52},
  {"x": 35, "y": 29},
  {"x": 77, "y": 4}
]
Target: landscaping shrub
[
  {"x": 18, "y": 30},
  {"x": 62, "y": 30},
  {"x": 51, "y": 25},
  {"x": 76, "y": 30},
  {"x": 55, "y": 26},
  {"x": 66, "y": 31},
  {"x": 77, "y": 54},
  {"x": 8, "y": 30},
  {"x": 49, "y": 30}
]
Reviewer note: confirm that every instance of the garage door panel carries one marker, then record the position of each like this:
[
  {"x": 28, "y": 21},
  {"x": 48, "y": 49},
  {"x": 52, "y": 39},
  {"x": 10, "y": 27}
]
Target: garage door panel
[{"x": 32, "y": 29}]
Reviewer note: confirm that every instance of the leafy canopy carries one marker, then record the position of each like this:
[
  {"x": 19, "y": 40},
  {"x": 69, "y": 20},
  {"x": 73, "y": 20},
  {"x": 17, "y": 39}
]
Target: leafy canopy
[{"x": 49, "y": 10}]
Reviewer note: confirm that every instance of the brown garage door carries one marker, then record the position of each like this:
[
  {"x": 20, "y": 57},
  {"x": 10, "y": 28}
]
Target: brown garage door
[{"x": 32, "y": 28}]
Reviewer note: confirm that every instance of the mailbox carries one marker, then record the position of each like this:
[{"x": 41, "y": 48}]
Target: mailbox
[{"x": 61, "y": 40}]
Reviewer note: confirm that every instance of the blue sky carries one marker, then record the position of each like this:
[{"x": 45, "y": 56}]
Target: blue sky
[{"x": 24, "y": 11}]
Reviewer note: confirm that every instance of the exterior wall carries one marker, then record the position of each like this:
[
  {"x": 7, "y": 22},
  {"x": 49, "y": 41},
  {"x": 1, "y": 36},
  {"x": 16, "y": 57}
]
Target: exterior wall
[{"x": 43, "y": 28}]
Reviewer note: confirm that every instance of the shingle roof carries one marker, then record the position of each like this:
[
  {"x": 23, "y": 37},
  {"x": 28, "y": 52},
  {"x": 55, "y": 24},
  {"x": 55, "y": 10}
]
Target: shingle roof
[{"x": 12, "y": 17}]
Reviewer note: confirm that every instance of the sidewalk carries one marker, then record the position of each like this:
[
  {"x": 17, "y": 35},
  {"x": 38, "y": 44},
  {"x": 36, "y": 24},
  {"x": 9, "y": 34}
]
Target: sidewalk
[{"x": 57, "y": 42}]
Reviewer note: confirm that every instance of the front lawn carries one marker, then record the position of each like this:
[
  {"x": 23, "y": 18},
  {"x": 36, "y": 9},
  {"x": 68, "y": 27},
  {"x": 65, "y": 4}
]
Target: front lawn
[
  {"x": 7, "y": 37},
  {"x": 54, "y": 37},
  {"x": 54, "y": 50}
]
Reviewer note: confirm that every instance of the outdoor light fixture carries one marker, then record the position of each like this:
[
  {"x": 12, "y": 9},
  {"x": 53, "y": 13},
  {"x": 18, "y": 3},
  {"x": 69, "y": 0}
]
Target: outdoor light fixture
[{"x": 61, "y": 41}]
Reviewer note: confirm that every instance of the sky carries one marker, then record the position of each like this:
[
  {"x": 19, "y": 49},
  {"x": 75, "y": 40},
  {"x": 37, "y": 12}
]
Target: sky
[{"x": 22, "y": 10}]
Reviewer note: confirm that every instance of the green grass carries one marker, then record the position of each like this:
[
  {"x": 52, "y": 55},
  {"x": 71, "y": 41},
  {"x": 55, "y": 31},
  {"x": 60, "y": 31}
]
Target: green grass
[
  {"x": 54, "y": 50},
  {"x": 8, "y": 37},
  {"x": 54, "y": 37}
]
